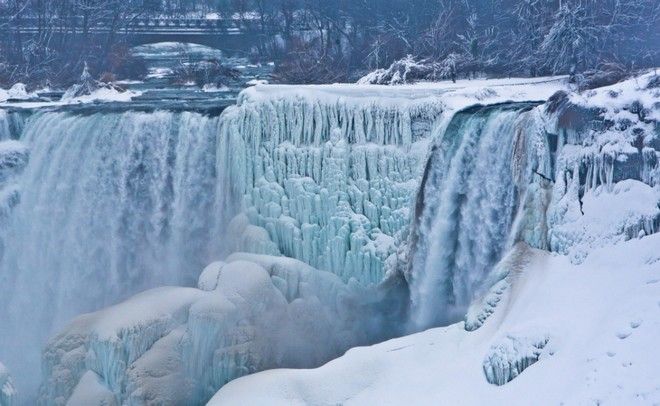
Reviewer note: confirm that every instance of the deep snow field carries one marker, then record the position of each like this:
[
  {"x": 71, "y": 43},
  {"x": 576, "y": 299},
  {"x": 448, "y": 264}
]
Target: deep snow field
[{"x": 517, "y": 214}]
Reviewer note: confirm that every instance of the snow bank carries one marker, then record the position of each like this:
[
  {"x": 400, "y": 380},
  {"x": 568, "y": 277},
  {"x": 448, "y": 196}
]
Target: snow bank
[{"x": 600, "y": 318}]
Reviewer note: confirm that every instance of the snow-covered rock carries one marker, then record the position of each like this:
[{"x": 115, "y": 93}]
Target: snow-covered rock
[{"x": 18, "y": 92}]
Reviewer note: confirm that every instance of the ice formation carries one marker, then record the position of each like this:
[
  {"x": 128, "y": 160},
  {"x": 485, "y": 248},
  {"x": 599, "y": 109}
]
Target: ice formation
[
  {"x": 180, "y": 345},
  {"x": 330, "y": 180},
  {"x": 511, "y": 356}
]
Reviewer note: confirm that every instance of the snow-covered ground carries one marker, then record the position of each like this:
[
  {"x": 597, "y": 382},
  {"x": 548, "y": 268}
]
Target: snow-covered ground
[
  {"x": 21, "y": 98},
  {"x": 599, "y": 322}
]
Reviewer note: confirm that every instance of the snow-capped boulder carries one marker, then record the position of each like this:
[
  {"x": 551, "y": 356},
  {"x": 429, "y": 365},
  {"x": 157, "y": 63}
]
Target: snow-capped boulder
[
  {"x": 18, "y": 92},
  {"x": 89, "y": 89}
]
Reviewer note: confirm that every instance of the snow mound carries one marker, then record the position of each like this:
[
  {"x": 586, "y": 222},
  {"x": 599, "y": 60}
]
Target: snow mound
[
  {"x": 180, "y": 345},
  {"x": 18, "y": 92}
]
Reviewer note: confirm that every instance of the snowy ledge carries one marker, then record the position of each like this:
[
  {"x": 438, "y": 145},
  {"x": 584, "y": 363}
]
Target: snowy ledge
[{"x": 453, "y": 95}]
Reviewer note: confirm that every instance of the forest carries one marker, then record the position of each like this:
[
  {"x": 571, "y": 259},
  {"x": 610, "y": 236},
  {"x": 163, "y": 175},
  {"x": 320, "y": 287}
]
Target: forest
[{"x": 324, "y": 41}]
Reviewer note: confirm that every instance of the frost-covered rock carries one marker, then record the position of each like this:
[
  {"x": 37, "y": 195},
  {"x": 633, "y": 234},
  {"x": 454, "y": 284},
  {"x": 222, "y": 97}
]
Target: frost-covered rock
[
  {"x": 7, "y": 389},
  {"x": 511, "y": 356},
  {"x": 110, "y": 341},
  {"x": 405, "y": 70},
  {"x": 88, "y": 88},
  {"x": 606, "y": 167}
]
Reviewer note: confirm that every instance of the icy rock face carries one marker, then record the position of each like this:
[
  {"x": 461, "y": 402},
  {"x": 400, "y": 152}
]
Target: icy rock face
[
  {"x": 7, "y": 389},
  {"x": 607, "y": 172},
  {"x": 180, "y": 345},
  {"x": 511, "y": 356},
  {"x": 331, "y": 181}
]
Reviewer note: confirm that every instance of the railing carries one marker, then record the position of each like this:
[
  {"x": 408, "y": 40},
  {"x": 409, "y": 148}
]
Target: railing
[{"x": 137, "y": 25}]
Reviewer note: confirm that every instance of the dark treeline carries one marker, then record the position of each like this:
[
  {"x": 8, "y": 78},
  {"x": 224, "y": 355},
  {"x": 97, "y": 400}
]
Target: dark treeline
[{"x": 338, "y": 40}]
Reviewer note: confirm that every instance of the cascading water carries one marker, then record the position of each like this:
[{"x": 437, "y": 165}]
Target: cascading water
[
  {"x": 111, "y": 204},
  {"x": 466, "y": 209}
]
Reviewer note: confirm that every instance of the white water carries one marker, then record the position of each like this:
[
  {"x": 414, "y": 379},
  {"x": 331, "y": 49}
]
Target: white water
[
  {"x": 111, "y": 204},
  {"x": 469, "y": 201}
]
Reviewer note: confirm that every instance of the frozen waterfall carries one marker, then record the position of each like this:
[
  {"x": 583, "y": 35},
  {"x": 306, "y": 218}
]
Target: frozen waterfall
[{"x": 111, "y": 204}]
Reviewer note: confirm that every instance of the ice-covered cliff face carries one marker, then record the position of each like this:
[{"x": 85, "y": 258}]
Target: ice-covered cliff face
[{"x": 330, "y": 180}]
